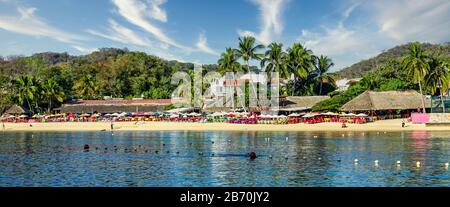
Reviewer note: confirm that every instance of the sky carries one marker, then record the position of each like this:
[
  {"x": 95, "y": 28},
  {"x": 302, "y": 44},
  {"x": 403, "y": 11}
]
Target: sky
[{"x": 198, "y": 31}]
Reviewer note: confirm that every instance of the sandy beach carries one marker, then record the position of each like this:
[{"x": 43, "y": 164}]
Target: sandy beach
[{"x": 384, "y": 125}]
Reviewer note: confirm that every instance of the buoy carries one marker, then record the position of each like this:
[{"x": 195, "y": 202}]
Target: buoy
[
  {"x": 167, "y": 151},
  {"x": 417, "y": 164},
  {"x": 178, "y": 152},
  {"x": 339, "y": 160},
  {"x": 446, "y": 165},
  {"x": 212, "y": 154},
  {"x": 376, "y": 162},
  {"x": 252, "y": 155},
  {"x": 356, "y": 161},
  {"x": 270, "y": 156},
  {"x": 212, "y": 142},
  {"x": 156, "y": 151},
  {"x": 398, "y": 162},
  {"x": 86, "y": 147},
  {"x": 320, "y": 158}
]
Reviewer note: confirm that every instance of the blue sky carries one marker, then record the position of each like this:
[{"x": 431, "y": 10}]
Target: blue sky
[{"x": 199, "y": 30}]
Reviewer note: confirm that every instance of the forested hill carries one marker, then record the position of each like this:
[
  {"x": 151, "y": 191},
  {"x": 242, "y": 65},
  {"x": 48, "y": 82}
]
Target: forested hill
[{"x": 362, "y": 67}]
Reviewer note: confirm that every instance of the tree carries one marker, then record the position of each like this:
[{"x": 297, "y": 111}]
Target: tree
[
  {"x": 322, "y": 66},
  {"x": 228, "y": 62},
  {"x": 438, "y": 77},
  {"x": 300, "y": 61},
  {"x": 26, "y": 90},
  {"x": 415, "y": 62},
  {"x": 247, "y": 50},
  {"x": 274, "y": 60},
  {"x": 52, "y": 92},
  {"x": 86, "y": 87}
]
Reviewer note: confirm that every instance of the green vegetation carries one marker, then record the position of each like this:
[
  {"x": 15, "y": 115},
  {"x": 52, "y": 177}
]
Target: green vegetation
[
  {"x": 417, "y": 70},
  {"x": 44, "y": 81}
]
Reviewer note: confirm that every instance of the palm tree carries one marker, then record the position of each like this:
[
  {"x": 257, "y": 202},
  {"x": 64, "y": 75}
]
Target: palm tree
[
  {"x": 228, "y": 62},
  {"x": 300, "y": 61},
  {"x": 52, "y": 91},
  {"x": 86, "y": 87},
  {"x": 415, "y": 62},
  {"x": 247, "y": 51},
  {"x": 322, "y": 66},
  {"x": 438, "y": 77},
  {"x": 26, "y": 90},
  {"x": 274, "y": 60}
]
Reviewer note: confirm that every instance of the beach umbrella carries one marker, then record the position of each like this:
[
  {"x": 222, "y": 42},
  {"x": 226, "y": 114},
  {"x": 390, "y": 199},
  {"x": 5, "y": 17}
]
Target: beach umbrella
[
  {"x": 282, "y": 116},
  {"x": 115, "y": 114},
  {"x": 308, "y": 115},
  {"x": 293, "y": 115},
  {"x": 361, "y": 115},
  {"x": 351, "y": 114},
  {"x": 11, "y": 116},
  {"x": 23, "y": 116},
  {"x": 85, "y": 115}
]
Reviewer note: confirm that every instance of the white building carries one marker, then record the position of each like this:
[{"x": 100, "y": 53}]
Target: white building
[{"x": 343, "y": 84}]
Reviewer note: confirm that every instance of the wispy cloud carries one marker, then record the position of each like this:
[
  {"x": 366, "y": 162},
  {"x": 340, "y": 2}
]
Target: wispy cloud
[
  {"x": 202, "y": 45},
  {"x": 119, "y": 33},
  {"x": 270, "y": 18},
  {"x": 28, "y": 23},
  {"x": 138, "y": 13},
  {"x": 411, "y": 20},
  {"x": 83, "y": 49}
]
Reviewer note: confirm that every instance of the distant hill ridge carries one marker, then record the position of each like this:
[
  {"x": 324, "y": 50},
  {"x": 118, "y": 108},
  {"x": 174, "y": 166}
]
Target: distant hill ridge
[{"x": 364, "y": 66}]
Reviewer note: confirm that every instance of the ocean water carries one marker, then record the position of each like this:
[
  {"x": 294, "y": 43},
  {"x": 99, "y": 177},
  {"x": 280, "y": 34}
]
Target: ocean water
[{"x": 179, "y": 158}]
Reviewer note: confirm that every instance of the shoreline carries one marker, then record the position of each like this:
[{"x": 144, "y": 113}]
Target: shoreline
[{"x": 382, "y": 125}]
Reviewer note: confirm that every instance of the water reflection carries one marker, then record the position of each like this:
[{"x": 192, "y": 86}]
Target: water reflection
[{"x": 218, "y": 159}]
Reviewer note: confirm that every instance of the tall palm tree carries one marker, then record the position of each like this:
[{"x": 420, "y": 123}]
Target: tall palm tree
[
  {"x": 247, "y": 50},
  {"x": 300, "y": 62},
  {"x": 26, "y": 90},
  {"x": 415, "y": 62},
  {"x": 438, "y": 77},
  {"x": 322, "y": 66},
  {"x": 274, "y": 60},
  {"x": 228, "y": 62},
  {"x": 52, "y": 92},
  {"x": 86, "y": 87}
]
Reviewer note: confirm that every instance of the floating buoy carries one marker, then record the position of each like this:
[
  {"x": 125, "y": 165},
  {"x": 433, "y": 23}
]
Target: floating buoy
[
  {"x": 252, "y": 155},
  {"x": 446, "y": 165},
  {"x": 212, "y": 142},
  {"x": 320, "y": 158},
  {"x": 86, "y": 147},
  {"x": 212, "y": 155},
  {"x": 417, "y": 164},
  {"x": 339, "y": 160},
  {"x": 164, "y": 144},
  {"x": 356, "y": 161},
  {"x": 398, "y": 162},
  {"x": 376, "y": 162},
  {"x": 270, "y": 156},
  {"x": 167, "y": 151},
  {"x": 178, "y": 152}
]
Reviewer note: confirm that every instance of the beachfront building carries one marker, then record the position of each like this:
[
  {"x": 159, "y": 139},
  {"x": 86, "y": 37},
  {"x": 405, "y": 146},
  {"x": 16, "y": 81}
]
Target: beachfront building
[
  {"x": 389, "y": 104},
  {"x": 115, "y": 106}
]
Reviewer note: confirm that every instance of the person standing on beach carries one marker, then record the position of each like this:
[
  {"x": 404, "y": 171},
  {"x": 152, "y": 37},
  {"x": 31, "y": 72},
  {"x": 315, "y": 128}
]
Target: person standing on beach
[
  {"x": 112, "y": 126},
  {"x": 3, "y": 125}
]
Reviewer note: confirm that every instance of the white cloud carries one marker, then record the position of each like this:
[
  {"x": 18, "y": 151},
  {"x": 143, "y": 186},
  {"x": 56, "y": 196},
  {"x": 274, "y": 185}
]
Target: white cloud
[
  {"x": 203, "y": 46},
  {"x": 83, "y": 49},
  {"x": 138, "y": 12},
  {"x": 28, "y": 23},
  {"x": 271, "y": 21},
  {"x": 119, "y": 33},
  {"x": 412, "y": 20}
]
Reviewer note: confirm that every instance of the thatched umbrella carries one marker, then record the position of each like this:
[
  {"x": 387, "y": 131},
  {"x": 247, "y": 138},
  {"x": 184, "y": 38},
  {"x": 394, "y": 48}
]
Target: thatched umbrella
[{"x": 16, "y": 110}]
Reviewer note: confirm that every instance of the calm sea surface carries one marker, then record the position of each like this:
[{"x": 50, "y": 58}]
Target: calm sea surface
[{"x": 218, "y": 159}]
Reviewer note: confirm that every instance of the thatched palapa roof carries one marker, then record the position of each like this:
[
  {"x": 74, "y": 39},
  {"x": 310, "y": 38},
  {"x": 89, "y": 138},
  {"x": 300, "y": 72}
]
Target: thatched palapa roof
[
  {"x": 15, "y": 109},
  {"x": 386, "y": 100},
  {"x": 300, "y": 103}
]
